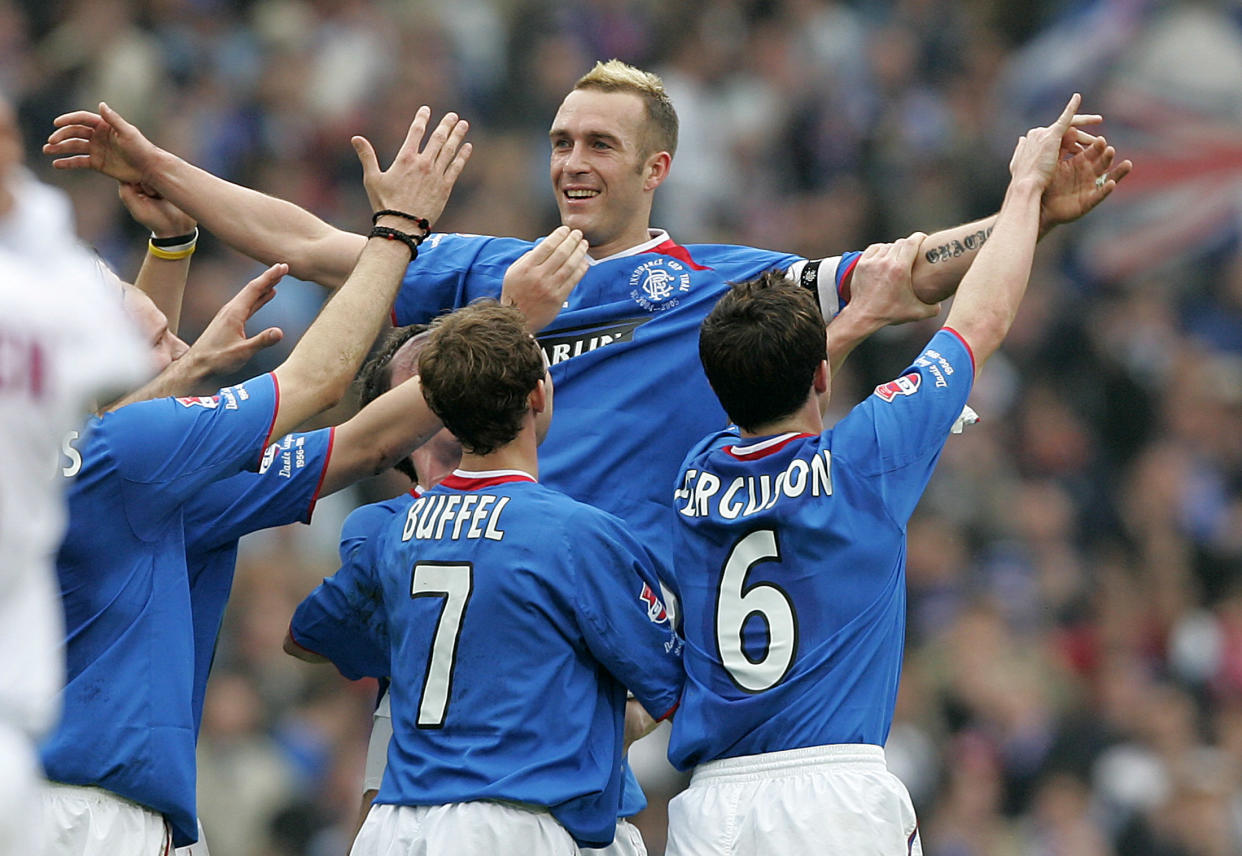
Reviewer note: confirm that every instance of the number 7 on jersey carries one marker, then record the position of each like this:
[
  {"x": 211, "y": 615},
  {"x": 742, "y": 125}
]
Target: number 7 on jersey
[{"x": 454, "y": 583}]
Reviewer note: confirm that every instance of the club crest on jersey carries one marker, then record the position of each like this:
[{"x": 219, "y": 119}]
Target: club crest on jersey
[
  {"x": 655, "y": 284},
  {"x": 209, "y": 401},
  {"x": 655, "y": 607},
  {"x": 904, "y": 385}
]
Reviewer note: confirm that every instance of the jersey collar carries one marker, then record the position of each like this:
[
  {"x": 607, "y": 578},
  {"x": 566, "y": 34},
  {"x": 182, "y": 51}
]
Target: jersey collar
[
  {"x": 657, "y": 237},
  {"x": 763, "y": 448},
  {"x": 468, "y": 480}
]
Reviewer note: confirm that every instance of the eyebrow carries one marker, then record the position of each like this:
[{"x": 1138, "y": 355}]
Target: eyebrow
[{"x": 590, "y": 135}]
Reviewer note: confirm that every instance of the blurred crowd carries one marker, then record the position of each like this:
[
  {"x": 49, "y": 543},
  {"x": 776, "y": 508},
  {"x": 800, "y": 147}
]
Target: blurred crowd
[{"x": 1073, "y": 682}]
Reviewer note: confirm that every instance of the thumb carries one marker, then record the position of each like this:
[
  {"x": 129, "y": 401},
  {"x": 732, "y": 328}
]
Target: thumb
[
  {"x": 115, "y": 119},
  {"x": 366, "y": 154},
  {"x": 266, "y": 339}
]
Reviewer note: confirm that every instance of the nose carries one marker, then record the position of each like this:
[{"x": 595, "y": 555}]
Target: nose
[
  {"x": 178, "y": 348},
  {"x": 576, "y": 162}
]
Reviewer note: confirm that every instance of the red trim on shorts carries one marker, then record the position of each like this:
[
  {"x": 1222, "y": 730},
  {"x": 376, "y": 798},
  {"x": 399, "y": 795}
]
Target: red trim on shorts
[
  {"x": 965, "y": 345},
  {"x": 323, "y": 475}
]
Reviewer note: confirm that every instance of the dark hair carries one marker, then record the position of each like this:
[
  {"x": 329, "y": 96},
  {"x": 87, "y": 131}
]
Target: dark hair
[
  {"x": 478, "y": 368},
  {"x": 760, "y": 347},
  {"x": 375, "y": 378}
]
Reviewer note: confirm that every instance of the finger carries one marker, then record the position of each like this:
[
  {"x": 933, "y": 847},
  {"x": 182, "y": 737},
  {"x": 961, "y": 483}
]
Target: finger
[
  {"x": 1086, "y": 119},
  {"x": 908, "y": 249},
  {"x": 562, "y": 251},
  {"x": 459, "y": 162},
  {"x": 75, "y": 146},
  {"x": 116, "y": 120},
  {"x": 259, "y": 341},
  {"x": 68, "y": 132},
  {"x": 1067, "y": 115},
  {"x": 454, "y": 142},
  {"x": 267, "y": 280},
  {"x": 77, "y": 117},
  {"x": 542, "y": 251},
  {"x": 576, "y": 265},
  {"x": 418, "y": 127},
  {"x": 366, "y": 155},
  {"x": 75, "y": 162},
  {"x": 1119, "y": 172}
]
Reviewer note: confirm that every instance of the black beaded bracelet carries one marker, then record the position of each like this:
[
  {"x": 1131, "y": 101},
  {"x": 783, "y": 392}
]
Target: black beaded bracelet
[
  {"x": 175, "y": 241},
  {"x": 411, "y": 241},
  {"x": 420, "y": 222}
]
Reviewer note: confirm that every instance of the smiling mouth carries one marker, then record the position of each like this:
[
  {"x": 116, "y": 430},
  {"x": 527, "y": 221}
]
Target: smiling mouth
[{"x": 581, "y": 194}]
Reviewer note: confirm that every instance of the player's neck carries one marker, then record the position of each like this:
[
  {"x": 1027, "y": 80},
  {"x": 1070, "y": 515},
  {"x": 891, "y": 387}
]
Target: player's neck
[
  {"x": 632, "y": 237},
  {"x": 520, "y": 454},
  {"x": 807, "y": 419}
]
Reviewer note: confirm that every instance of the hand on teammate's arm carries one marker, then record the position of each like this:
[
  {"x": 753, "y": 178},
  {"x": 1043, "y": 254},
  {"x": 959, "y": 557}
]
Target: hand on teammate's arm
[
  {"x": 161, "y": 279},
  {"x": 539, "y": 282},
  {"x": 260, "y": 226},
  {"x": 881, "y": 294}
]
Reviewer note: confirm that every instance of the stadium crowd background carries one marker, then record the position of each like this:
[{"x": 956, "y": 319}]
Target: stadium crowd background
[{"x": 1073, "y": 682}]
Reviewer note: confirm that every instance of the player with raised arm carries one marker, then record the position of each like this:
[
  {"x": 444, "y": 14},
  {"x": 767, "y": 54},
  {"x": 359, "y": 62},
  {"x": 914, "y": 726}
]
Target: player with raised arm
[
  {"x": 624, "y": 347},
  {"x": 510, "y": 618},
  {"x": 790, "y": 551},
  {"x": 123, "y": 755}
]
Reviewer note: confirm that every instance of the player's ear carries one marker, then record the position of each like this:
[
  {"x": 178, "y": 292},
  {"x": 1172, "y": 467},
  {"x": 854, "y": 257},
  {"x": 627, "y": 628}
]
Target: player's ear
[
  {"x": 655, "y": 169},
  {"x": 822, "y": 379},
  {"x": 538, "y": 399}
]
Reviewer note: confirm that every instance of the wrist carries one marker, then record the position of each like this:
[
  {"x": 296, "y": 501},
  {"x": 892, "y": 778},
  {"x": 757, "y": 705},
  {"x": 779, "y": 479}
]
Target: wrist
[
  {"x": 173, "y": 248},
  {"x": 1025, "y": 190}
]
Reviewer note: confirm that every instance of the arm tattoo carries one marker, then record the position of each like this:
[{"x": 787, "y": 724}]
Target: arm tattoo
[{"x": 955, "y": 248}]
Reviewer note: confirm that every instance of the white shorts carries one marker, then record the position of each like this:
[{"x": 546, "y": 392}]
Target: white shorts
[
  {"x": 377, "y": 749},
  {"x": 84, "y": 821},
  {"x": 824, "y": 799},
  {"x": 629, "y": 842},
  {"x": 463, "y": 829}
]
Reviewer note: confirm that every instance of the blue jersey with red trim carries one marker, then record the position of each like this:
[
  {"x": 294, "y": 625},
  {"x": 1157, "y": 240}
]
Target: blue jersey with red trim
[
  {"x": 128, "y": 724},
  {"x": 516, "y": 619},
  {"x": 344, "y": 620},
  {"x": 790, "y": 557},
  {"x": 625, "y": 360},
  {"x": 283, "y": 491}
]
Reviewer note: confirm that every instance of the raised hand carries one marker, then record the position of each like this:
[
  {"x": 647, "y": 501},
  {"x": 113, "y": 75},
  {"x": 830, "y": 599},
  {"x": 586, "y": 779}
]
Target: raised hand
[
  {"x": 164, "y": 219},
  {"x": 101, "y": 141},
  {"x": 881, "y": 283},
  {"x": 417, "y": 182},
  {"x": 1085, "y": 174},
  {"x": 224, "y": 347},
  {"x": 540, "y": 280}
]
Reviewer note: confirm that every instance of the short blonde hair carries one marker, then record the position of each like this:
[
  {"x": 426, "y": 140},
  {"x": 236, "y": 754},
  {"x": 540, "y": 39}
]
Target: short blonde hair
[{"x": 617, "y": 76}]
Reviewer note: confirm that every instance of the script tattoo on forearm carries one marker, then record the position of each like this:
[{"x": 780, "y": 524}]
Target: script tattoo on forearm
[{"x": 955, "y": 248}]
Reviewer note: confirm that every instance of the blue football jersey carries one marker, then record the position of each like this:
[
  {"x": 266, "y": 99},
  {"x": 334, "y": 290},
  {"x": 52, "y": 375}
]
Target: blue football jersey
[
  {"x": 790, "y": 557},
  {"x": 516, "y": 619},
  {"x": 625, "y": 359},
  {"x": 128, "y": 725},
  {"x": 343, "y": 619},
  {"x": 283, "y": 491}
]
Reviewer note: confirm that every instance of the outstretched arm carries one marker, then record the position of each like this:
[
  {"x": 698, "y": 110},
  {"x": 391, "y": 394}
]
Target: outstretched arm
[
  {"x": 992, "y": 289},
  {"x": 261, "y": 226},
  {"x": 1086, "y": 173},
  {"x": 318, "y": 371}
]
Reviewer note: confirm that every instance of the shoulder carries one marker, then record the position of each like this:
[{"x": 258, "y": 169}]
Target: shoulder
[
  {"x": 477, "y": 248},
  {"x": 733, "y": 256}
]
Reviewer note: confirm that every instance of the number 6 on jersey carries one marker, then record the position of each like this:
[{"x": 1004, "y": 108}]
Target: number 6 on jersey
[
  {"x": 454, "y": 583},
  {"x": 735, "y": 603}
]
